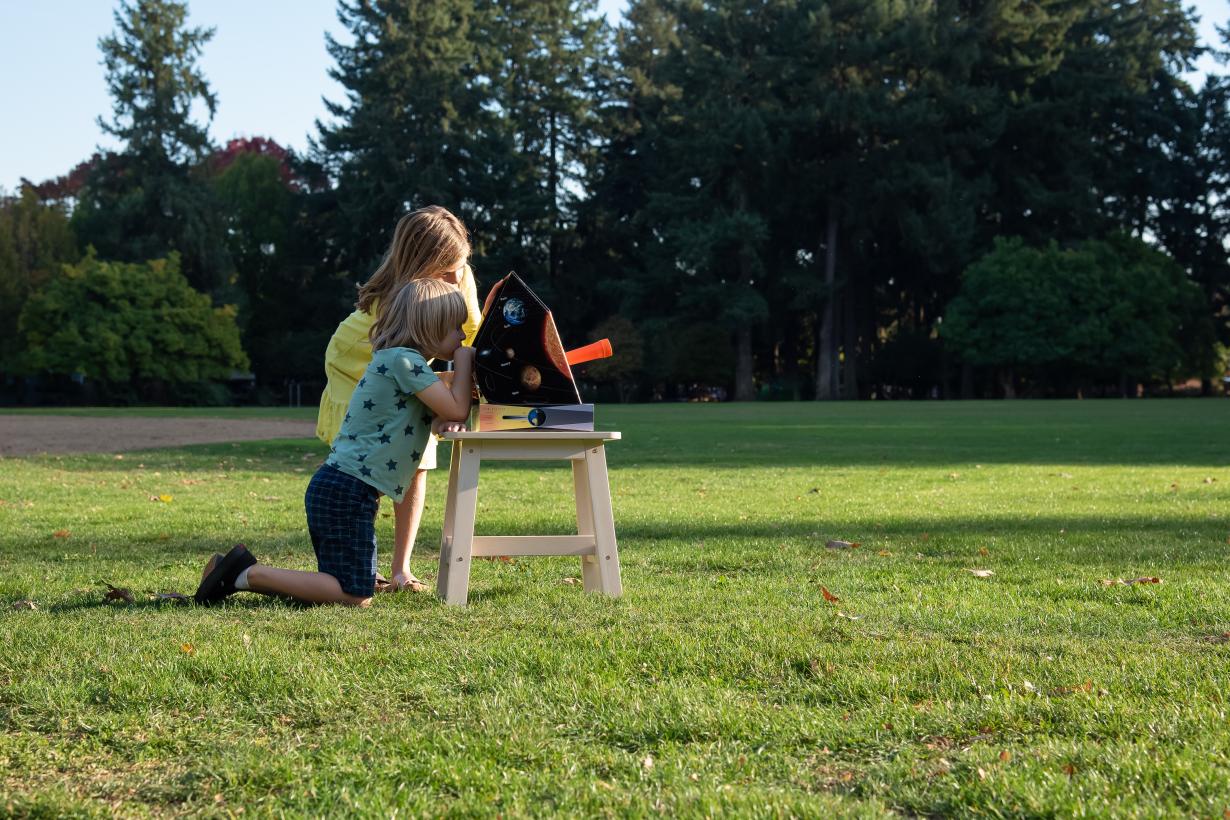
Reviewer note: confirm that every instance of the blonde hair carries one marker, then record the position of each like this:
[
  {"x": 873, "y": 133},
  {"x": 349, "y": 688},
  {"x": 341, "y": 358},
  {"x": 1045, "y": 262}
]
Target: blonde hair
[
  {"x": 419, "y": 315},
  {"x": 426, "y": 243}
]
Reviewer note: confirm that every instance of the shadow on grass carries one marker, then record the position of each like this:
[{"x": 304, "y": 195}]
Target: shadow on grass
[{"x": 144, "y": 603}]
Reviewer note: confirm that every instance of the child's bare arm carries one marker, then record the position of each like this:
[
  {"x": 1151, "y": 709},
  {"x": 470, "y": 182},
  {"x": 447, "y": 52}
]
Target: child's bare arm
[{"x": 452, "y": 402}]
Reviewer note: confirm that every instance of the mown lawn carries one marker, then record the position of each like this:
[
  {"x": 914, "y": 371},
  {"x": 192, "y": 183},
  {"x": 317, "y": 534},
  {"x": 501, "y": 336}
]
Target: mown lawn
[{"x": 723, "y": 682}]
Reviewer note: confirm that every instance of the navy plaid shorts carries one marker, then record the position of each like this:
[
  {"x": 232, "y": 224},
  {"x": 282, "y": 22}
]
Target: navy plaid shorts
[{"x": 341, "y": 518}]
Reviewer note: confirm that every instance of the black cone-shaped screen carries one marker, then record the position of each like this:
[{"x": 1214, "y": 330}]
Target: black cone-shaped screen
[{"x": 518, "y": 355}]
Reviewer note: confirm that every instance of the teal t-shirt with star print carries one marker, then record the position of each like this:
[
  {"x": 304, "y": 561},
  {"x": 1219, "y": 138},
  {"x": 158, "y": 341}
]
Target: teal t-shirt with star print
[{"x": 386, "y": 426}]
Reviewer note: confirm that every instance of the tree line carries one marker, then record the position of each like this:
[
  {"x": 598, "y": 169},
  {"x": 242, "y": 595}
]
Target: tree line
[{"x": 771, "y": 199}]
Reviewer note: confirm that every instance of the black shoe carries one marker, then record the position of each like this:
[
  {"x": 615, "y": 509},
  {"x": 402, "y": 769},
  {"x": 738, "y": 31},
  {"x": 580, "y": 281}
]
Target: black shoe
[{"x": 219, "y": 582}]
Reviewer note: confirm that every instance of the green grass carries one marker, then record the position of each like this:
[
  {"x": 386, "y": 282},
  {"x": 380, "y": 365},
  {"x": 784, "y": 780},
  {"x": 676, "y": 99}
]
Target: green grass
[{"x": 722, "y": 682}]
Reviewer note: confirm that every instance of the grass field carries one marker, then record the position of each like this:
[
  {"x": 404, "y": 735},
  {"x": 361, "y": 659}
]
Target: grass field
[{"x": 723, "y": 681}]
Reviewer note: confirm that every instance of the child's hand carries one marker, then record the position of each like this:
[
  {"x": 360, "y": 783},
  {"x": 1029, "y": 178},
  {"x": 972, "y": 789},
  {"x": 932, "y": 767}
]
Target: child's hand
[
  {"x": 439, "y": 425},
  {"x": 463, "y": 354}
]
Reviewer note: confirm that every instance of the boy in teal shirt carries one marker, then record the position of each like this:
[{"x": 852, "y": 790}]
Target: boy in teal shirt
[
  {"x": 386, "y": 427},
  {"x": 376, "y": 452}
]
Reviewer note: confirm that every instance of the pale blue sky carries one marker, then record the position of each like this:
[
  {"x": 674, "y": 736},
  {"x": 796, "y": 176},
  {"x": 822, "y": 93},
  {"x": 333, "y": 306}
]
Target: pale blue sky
[{"x": 267, "y": 64}]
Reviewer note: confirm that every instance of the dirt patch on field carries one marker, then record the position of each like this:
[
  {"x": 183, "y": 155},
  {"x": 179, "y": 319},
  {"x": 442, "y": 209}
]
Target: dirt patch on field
[{"x": 25, "y": 435}]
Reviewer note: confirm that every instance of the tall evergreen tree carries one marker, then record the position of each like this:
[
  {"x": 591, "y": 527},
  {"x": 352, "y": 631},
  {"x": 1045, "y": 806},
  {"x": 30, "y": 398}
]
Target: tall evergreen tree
[
  {"x": 707, "y": 138},
  {"x": 410, "y": 128},
  {"x": 151, "y": 199},
  {"x": 547, "y": 62}
]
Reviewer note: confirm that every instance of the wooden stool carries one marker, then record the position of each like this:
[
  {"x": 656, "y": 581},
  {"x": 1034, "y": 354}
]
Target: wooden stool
[{"x": 595, "y": 538}]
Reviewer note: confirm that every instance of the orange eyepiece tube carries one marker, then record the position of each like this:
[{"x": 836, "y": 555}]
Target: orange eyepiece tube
[{"x": 598, "y": 350}]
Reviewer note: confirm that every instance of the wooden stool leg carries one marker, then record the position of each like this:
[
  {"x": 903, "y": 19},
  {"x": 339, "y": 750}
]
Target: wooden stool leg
[
  {"x": 604, "y": 522},
  {"x": 453, "y": 583},
  {"x": 450, "y": 497},
  {"x": 585, "y": 523}
]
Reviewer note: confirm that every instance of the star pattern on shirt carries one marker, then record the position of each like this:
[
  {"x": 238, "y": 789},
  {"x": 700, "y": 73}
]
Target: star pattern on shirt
[
  {"x": 351, "y": 436},
  {"x": 369, "y": 404},
  {"x": 347, "y": 416},
  {"x": 366, "y": 471},
  {"x": 417, "y": 370},
  {"x": 391, "y": 464},
  {"x": 362, "y": 381},
  {"x": 401, "y": 404},
  {"x": 426, "y": 417},
  {"x": 409, "y": 429},
  {"x": 362, "y": 457},
  {"x": 398, "y": 490},
  {"x": 382, "y": 369},
  {"x": 384, "y": 438},
  {"x": 380, "y": 427},
  {"x": 416, "y": 455}
]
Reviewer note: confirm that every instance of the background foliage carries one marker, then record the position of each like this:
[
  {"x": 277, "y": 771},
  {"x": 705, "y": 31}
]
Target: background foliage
[{"x": 783, "y": 198}]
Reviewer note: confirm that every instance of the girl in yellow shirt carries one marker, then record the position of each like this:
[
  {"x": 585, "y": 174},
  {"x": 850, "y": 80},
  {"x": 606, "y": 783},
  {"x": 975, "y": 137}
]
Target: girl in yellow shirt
[{"x": 428, "y": 243}]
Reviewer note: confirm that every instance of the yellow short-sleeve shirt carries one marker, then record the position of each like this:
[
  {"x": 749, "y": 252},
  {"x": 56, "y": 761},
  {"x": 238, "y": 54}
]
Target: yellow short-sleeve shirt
[{"x": 350, "y": 352}]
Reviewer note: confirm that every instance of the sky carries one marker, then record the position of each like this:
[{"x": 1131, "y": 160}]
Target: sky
[{"x": 267, "y": 65}]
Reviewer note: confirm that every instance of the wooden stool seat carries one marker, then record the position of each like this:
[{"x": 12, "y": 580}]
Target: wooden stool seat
[{"x": 595, "y": 538}]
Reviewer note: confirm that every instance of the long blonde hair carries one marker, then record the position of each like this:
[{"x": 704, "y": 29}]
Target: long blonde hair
[
  {"x": 419, "y": 315},
  {"x": 426, "y": 243}
]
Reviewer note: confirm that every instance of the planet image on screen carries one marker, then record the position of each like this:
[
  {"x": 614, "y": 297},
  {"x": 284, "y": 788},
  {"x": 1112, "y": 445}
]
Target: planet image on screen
[
  {"x": 514, "y": 311},
  {"x": 531, "y": 379}
]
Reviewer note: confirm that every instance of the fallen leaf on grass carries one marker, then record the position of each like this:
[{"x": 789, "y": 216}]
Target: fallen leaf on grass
[
  {"x": 647, "y": 763},
  {"x": 1005, "y": 756},
  {"x": 1222, "y": 638},
  {"x": 170, "y": 596},
  {"x": 842, "y": 545},
  {"x": 62, "y": 533},
  {"x": 187, "y": 649},
  {"x": 884, "y": 553},
  {"x": 570, "y": 581},
  {"x": 983, "y": 551},
  {"x": 1069, "y": 769},
  {"x": 1117, "y": 582},
  {"x": 115, "y": 593},
  {"x": 848, "y": 617},
  {"x": 828, "y": 596},
  {"x": 981, "y": 573},
  {"x": 1209, "y": 480},
  {"x": 1087, "y": 686},
  {"x": 165, "y": 498},
  {"x": 814, "y": 491},
  {"x": 23, "y": 604}
]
